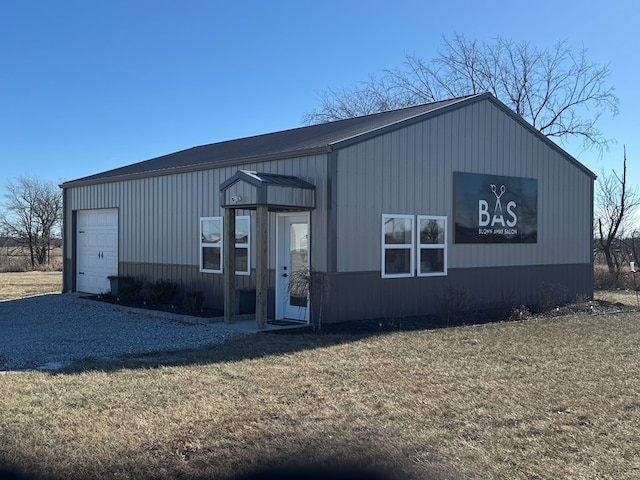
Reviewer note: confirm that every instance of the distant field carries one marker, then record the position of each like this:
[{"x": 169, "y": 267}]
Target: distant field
[
  {"x": 17, "y": 259},
  {"x": 24, "y": 284}
]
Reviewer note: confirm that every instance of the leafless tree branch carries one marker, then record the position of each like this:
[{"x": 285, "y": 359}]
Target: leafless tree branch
[
  {"x": 615, "y": 205},
  {"x": 31, "y": 215},
  {"x": 559, "y": 91}
]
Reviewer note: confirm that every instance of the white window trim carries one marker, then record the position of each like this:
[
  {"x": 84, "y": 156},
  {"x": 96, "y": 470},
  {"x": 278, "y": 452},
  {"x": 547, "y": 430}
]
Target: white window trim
[
  {"x": 221, "y": 245},
  {"x": 398, "y": 246},
  {"x": 210, "y": 245},
  {"x": 432, "y": 246}
]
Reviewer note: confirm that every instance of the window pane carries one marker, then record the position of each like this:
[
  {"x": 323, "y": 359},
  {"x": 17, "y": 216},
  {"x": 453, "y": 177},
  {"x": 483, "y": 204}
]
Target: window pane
[
  {"x": 242, "y": 259},
  {"x": 431, "y": 231},
  {"x": 242, "y": 230},
  {"x": 212, "y": 230},
  {"x": 432, "y": 260},
  {"x": 397, "y": 260},
  {"x": 397, "y": 231},
  {"x": 297, "y": 301},
  {"x": 211, "y": 258}
]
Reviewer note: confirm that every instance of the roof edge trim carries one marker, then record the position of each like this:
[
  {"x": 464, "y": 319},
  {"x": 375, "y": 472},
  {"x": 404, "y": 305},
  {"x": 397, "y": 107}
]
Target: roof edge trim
[
  {"x": 465, "y": 101},
  {"x": 541, "y": 136},
  {"x": 406, "y": 121},
  {"x": 87, "y": 181}
]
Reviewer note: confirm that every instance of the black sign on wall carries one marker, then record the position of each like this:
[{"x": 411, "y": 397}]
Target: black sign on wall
[{"x": 495, "y": 209}]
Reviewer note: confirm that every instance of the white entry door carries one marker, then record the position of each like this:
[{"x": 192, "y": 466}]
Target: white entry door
[
  {"x": 292, "y": 269},
  {"x": 97, "y": 252}
]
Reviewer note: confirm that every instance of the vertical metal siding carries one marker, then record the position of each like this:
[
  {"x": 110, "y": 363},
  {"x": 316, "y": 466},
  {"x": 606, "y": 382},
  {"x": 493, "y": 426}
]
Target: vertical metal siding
[
  {"x": 410, "y": 171},
  {"x": 159, "y": 216}
]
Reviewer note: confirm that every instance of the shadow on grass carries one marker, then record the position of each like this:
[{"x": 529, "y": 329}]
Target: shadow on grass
[{"x": 265, "y": 344}]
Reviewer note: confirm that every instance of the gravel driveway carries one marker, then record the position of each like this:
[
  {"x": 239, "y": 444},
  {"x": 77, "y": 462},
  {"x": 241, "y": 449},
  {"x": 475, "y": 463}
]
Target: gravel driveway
[{"x": 49, "y": 331}]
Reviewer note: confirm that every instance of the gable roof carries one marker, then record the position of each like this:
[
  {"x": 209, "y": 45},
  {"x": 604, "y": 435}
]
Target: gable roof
[
  {"x": 300, "y": 141},
  {"x": 258, "y": 179},
  {"x": 279, "y": 193},
  {"x": 309, "y": 140}
]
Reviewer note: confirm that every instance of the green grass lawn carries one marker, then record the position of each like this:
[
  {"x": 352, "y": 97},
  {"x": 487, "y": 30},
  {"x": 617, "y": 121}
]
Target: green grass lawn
[{"x": 542, "y": 398}]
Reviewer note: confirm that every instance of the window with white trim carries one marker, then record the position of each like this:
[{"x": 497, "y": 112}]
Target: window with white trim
[
  {"x": 397, "y": 246},
  {"x": 211, "y": 245},
  {"x": 243, "y": 227},
  {"x": 432, "y": 245}
]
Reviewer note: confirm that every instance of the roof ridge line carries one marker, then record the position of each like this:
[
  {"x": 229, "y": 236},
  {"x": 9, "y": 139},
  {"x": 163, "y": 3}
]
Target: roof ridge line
[{"x": 449, "y": 103}]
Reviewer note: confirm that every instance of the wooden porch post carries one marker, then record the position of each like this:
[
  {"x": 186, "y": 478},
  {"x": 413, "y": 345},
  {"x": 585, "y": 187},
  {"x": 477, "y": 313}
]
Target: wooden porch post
[
  {"x": 229, "y": 265},
  {"x": 262, "y": 278}
]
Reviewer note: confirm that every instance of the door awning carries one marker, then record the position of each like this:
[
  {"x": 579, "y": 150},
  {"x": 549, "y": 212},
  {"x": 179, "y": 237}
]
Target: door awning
[{"x": 280, "y": 193}]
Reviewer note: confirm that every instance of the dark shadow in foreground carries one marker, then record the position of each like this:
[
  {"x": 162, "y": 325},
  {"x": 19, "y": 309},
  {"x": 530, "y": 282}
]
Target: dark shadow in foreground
[{"x": 264, "y": 344}]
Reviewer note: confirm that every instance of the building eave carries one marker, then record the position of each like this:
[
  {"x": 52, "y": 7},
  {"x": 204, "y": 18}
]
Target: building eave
[{"x": 88, "y": 181}]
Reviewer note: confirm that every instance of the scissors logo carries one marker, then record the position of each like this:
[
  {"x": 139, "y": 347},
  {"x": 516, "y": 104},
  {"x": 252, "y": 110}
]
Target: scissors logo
[
  {"x": 498, "y": 205},
  {"x": 500, "y": 217}
]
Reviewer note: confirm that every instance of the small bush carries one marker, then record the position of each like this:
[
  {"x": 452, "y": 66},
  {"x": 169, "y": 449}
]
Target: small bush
[
  {"x": 455, "y": 304},
  {"x": 161, "y": 292},
  {"x": 519, "y": 313},
  {"x": 582, "y": 298},
  {"x": 552, "y": 295},
  {"x": 193, "y": 302},
  {"x": 129, "y": 290}
]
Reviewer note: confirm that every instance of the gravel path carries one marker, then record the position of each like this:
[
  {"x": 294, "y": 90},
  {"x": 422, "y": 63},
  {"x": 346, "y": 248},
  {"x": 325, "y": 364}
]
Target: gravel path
[{"x": 49, "y": 331}]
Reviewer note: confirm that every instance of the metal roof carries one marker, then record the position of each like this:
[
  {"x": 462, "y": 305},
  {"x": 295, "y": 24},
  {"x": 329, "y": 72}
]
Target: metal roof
[
  {"x": 313, "y": 139},
  {"x": 298, "y": 141},
  {"x": 258, "y": 179}
]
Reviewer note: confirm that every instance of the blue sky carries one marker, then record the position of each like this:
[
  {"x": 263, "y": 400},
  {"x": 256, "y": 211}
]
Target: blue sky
[{"x": 90, "y": 85}]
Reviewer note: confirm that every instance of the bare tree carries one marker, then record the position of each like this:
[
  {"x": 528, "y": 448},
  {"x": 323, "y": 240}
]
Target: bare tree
[
  {"x": 374, "y": 95},
  {"x": 558, "y": 91},
  {"x": 632, "y": 245},
  {"x": 615, "y": 205},
  {"x": 31, "y": 216}
]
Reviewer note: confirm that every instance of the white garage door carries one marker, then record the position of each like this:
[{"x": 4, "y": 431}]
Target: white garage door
[{"x": 97, "y": 253}]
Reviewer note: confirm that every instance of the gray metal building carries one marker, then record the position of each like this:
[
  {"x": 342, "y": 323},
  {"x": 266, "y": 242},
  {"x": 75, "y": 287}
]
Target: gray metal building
[{"x": 389, "y": 212}]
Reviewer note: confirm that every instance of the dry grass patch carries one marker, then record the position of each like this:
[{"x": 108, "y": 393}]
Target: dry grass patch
[
  {"x": 625, "y": 297},
  {"x": 23, "y": 284},
  {"x": 545, "y": 399}
]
